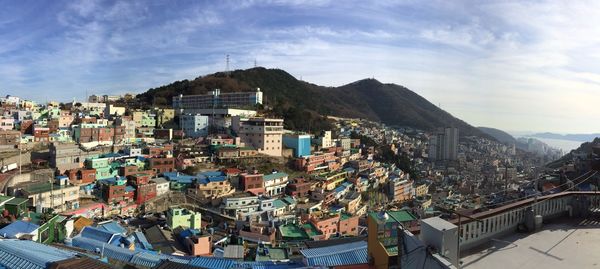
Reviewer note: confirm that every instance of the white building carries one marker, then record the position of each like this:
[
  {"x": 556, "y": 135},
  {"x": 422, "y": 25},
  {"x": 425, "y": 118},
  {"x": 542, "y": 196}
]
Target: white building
[
  {"x": 194, "y": 125},
  {"x": 162, "y": 185},
  {"x": 265, "y": 135},
  {"x": 275, "y": 183}
]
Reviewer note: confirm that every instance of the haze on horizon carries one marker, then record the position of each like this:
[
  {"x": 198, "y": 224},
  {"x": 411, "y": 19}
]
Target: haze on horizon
[{"x": 512, "y": 65}]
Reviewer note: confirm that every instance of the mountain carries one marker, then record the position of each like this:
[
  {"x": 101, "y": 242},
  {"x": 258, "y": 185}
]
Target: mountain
[
  {"x": 500, "y": 135},
  {"x": 570, "y": 137},
  {"x": 585, "y": 148},
  {"x": 301, "y": 103}
]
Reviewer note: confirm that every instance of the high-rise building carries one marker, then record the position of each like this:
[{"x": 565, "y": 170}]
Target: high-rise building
[{"x": 443, "y": 144}]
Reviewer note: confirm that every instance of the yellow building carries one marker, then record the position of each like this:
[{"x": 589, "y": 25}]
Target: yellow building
[
  {"x": 164, "y": 116},
  {"x": 421, "y": 190}
]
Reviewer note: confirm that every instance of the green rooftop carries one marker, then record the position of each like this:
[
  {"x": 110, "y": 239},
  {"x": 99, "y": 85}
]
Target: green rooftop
[
  {"x": 292, "y": 232},
  {"x": 311, "y": 230},
  {"x": 395, "y": 216},
  {"x": 17, "y": 201},
  {"x": 345, "y": 216},
  {"x": 279, "y": 204},
  {"x": 274, "y": 176},
  {"x": 42, "y": 187},
  {"x": 3, "y": 198},
  {"x": 272, "y": 254}
]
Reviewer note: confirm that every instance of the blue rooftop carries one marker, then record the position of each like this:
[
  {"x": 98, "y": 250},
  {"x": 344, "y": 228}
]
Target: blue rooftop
[
  {"x": 211, "y": 174},
  {"x": 111, "y": 155},
  {"x": 18, "y": 227},
  {"x": 142, "y": 241},
  {"x": 111, "y": 180},
  {"x": 129, "y": 188},
  {"x": 113, "y": 227},
  {"x": 343, "y": 254},
  {"x": 97, "y": 233},
  {"x": 188, "y": 232},
  {"x": 206, "y": 180},
  {"x": 30, "y": 255},
  {"x": 179, "y": 177}
]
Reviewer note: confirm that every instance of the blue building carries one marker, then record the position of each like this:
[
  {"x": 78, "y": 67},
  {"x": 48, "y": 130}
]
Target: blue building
[
  {"x": 194, "y": 125},
  {"x": 300, "y": 143}
]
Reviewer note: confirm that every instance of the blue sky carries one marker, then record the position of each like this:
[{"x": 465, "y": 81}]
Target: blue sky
[{"x": 514, "y": 65}]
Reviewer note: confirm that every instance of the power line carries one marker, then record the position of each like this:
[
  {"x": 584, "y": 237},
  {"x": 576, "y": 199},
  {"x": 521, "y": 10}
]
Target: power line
[{"x": 534, "y": 195}]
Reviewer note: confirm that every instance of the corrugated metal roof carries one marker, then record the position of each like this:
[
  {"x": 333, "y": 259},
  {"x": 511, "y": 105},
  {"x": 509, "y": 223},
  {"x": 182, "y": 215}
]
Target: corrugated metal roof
[
  {"x": 145, "y": 259},
  {"x": 343, "y": 254},
  {"x": 19, "y": 254},
  {"x": 18, "y": 227},
  {"x": 96, "y": 233},
  {"x": 113, "y": 227},
  {"x": 142, "y": 240},
  {"x": 211, "y": 263}
]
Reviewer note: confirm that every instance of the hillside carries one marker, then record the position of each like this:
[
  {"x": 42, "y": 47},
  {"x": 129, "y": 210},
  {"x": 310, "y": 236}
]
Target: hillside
[
  {"x": 302, "y": 103},
  {"x": 585, "y": 148},
  {"x": 500, "y": 135}
]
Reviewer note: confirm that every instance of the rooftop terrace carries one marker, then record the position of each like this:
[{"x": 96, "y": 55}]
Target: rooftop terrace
[{"x": 564, "y": 243}]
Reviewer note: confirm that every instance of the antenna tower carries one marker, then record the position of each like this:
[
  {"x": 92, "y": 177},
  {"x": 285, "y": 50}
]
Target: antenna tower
[{"x": 227, "y": 64}]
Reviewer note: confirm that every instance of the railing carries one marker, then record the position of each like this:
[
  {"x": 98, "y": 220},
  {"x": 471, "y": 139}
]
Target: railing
[{"x": 504, "y": 220}]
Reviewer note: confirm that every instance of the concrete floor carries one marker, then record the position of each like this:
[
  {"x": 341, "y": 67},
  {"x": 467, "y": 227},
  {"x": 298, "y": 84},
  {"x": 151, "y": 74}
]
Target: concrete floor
[{"x": 561, "y": 244}]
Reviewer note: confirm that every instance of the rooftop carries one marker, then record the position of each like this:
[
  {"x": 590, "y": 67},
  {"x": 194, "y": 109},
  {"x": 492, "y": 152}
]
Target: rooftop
[
  {"x": 43, "y": 187},
  {"x": 394, "y": 216},
  {"x": 292, "y": 232},
  {"x": 561, "y": 244}
]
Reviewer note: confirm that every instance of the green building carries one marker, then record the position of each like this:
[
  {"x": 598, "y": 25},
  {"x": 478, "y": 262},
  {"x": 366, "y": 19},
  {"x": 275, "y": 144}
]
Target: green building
[
  {"x": 53, "y": 230},
  {"x": 16, "y": 206},
  {"x": 180, "y": 217}
]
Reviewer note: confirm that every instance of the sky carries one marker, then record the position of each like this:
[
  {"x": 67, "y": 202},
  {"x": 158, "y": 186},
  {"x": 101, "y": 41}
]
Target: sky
[{"x": 513, "y": 65}]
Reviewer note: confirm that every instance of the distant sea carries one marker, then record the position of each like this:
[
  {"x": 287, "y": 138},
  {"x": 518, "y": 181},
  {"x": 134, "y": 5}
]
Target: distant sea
[{"x": 565, "y": 145}]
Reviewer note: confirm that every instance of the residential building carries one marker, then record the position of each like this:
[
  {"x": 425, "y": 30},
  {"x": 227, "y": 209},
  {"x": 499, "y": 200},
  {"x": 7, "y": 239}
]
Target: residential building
[
  {"x": 145, "y": 192},
  {"x": 300, "y": 143},
  {"x": 111, "y": 111},
  {"x": 164, "y": 116},
  {"x": 180, "y": 217},
  {"x": 10, "y": 137},
  {"x": 161, "y": 164},
  {"x": 263, "y": 134},
  {"x": 193, "y": 125},
  {"x": 7, "y": 123},
  {"x": 275, "y": 183},
  {"x": 400, "y": 190},
  {"x": 144, "y": 119},
  {"x": 59, "y": 196},
  {"x": 299, "y": 187},
  {"x": 240, "y": 204},
  {"x": 443, "y": 144},
  {"x": 41, "y": 134},
  {"x": 212, "y": 186},
  {"x": 81, "y": 176},
  {"x": 253, "y": 183},
  {"x": 162, "y": 185}
]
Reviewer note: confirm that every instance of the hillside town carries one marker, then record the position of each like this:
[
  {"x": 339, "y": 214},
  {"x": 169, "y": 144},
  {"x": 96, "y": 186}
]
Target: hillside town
[{"x": 215, "y": 181}]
